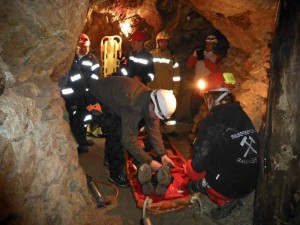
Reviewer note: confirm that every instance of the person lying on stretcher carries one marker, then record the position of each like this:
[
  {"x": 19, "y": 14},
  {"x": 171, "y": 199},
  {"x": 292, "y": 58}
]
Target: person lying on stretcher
[{"x": 151, "y": 181}]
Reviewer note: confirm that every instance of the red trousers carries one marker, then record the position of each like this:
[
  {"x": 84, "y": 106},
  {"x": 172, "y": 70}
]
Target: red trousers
[{"x": 215, "y": 196}]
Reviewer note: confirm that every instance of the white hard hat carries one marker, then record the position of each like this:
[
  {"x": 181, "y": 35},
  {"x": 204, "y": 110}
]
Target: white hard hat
[
  {"x": 164, "y": 102},
  {"x": 211, "y": 38}
]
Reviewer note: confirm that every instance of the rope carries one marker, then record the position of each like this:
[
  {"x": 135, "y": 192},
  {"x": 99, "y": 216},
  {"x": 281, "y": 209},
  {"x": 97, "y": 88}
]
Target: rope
[
  {"x": 147, "y": 201},
  {"x": 197, "y": 199},
  {"x": 113, "y": 186}
]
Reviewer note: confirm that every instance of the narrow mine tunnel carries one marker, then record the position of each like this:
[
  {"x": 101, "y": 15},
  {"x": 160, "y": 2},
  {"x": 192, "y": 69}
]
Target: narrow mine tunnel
[{"x": 42, "y": 177}]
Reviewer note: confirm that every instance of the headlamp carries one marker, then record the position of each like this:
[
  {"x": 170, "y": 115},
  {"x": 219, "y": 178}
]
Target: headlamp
[{"x": 201, "y": 84}]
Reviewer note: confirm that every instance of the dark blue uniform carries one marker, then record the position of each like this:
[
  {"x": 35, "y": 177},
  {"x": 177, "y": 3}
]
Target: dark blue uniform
[
  {"x": 74, "y": 91},
  {"x": 141, "y": 65}
]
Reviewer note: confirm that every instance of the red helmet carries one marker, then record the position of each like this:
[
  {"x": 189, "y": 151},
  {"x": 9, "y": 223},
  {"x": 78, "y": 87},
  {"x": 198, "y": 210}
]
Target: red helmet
[
  {"x": 84, "y": 40},
  {"x": 138, "y": 36},
  {"x": 217, "y": 81}
]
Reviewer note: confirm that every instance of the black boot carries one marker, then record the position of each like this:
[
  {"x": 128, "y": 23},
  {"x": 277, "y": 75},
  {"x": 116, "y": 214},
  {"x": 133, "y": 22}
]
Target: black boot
[
  {"x": 120, "y": 180},
  {"x": 82, "y": 149},
  {"x": 86, "y": 143},
  {"x": 197, "y": 186}
]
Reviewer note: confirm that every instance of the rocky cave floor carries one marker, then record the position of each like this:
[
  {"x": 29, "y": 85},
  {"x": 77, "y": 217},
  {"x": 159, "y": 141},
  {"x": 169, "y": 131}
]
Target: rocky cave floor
[{"x": 123, "y": 210}]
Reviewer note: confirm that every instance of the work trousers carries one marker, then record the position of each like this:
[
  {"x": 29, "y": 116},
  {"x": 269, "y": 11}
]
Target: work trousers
[
  {"x": 114, "y": 150},
  {"x": 76, "y": 120}
]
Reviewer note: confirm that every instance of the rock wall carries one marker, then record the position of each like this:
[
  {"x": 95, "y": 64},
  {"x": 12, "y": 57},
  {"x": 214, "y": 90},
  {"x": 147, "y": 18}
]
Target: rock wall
[
  {"x": 278, "y": 198},
  {"x": 40, "y": 179},
  {"x": 252, "y": 73}
]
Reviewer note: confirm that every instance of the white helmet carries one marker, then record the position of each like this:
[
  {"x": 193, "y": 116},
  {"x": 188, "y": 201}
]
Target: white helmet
[
  {"x": 164, "y": 103},
  {"x": 211, "y": 38}
]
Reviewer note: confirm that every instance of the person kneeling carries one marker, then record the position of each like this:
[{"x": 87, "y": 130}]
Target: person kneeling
[{"x": 224, "y": 164}]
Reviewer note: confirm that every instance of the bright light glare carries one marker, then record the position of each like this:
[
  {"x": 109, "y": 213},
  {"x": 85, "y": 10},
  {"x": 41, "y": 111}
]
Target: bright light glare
[
  {"x": 125, "y": 27},
  {"x": 201, "y": 85}
]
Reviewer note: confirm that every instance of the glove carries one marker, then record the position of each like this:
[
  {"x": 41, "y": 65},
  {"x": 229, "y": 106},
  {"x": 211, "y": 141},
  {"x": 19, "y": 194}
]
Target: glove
[
  {"x": 200, "y": 54},
  {"x": 95, "y": 109},
  {"x": 166, "y": 161}
]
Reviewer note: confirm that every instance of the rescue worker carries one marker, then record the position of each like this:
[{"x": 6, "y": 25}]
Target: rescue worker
[
  {"x": 224, "y": 164},
  {"x": 204, "y": 61},
  {"x": 140, "y": 62},
  {"x": 167, "y": 74},
  {"x": 125, "y": 102},
  {"x": 84, "y": 68}
]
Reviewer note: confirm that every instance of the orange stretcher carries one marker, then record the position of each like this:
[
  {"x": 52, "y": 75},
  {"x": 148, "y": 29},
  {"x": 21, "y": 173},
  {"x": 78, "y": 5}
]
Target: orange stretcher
[{"x": 176, "y": 197}]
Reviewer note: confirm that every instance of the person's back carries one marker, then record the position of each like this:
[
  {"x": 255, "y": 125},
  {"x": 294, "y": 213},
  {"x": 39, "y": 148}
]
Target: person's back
[
  {"x": 224, "y": 164},
  {"x": 120, "y": 93},
  {"x": 232, "y": 141}
]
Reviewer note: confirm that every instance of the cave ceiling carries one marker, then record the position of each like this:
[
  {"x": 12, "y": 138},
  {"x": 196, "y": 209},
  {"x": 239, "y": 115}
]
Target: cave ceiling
[{"x": 246, "y": 25}]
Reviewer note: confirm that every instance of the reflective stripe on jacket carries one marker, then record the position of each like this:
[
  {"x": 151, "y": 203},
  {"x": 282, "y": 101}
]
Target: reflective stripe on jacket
[
  {"x": 140, "y": 64},
  {"x": 167, "y": 72}
]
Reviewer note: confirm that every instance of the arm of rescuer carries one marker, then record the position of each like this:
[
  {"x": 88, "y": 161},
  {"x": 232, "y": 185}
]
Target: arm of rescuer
[
  {"x": 131, "y": 144},
  {"x": 196, "y": 167},
  {"x": 153, "y": 130},
  {"x": 176, "y": 76},
  {"x": 192, "y": 60}
]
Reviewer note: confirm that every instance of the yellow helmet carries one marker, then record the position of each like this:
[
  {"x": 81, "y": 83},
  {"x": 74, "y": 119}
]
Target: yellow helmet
[{"x": 162, "y": 36}]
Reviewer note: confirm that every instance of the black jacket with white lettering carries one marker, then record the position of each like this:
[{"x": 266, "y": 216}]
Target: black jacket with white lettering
[{"x": 227, "y": 149}]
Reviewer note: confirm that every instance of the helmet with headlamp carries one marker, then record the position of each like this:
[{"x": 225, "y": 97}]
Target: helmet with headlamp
[{"x": 220, "y": 83}]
